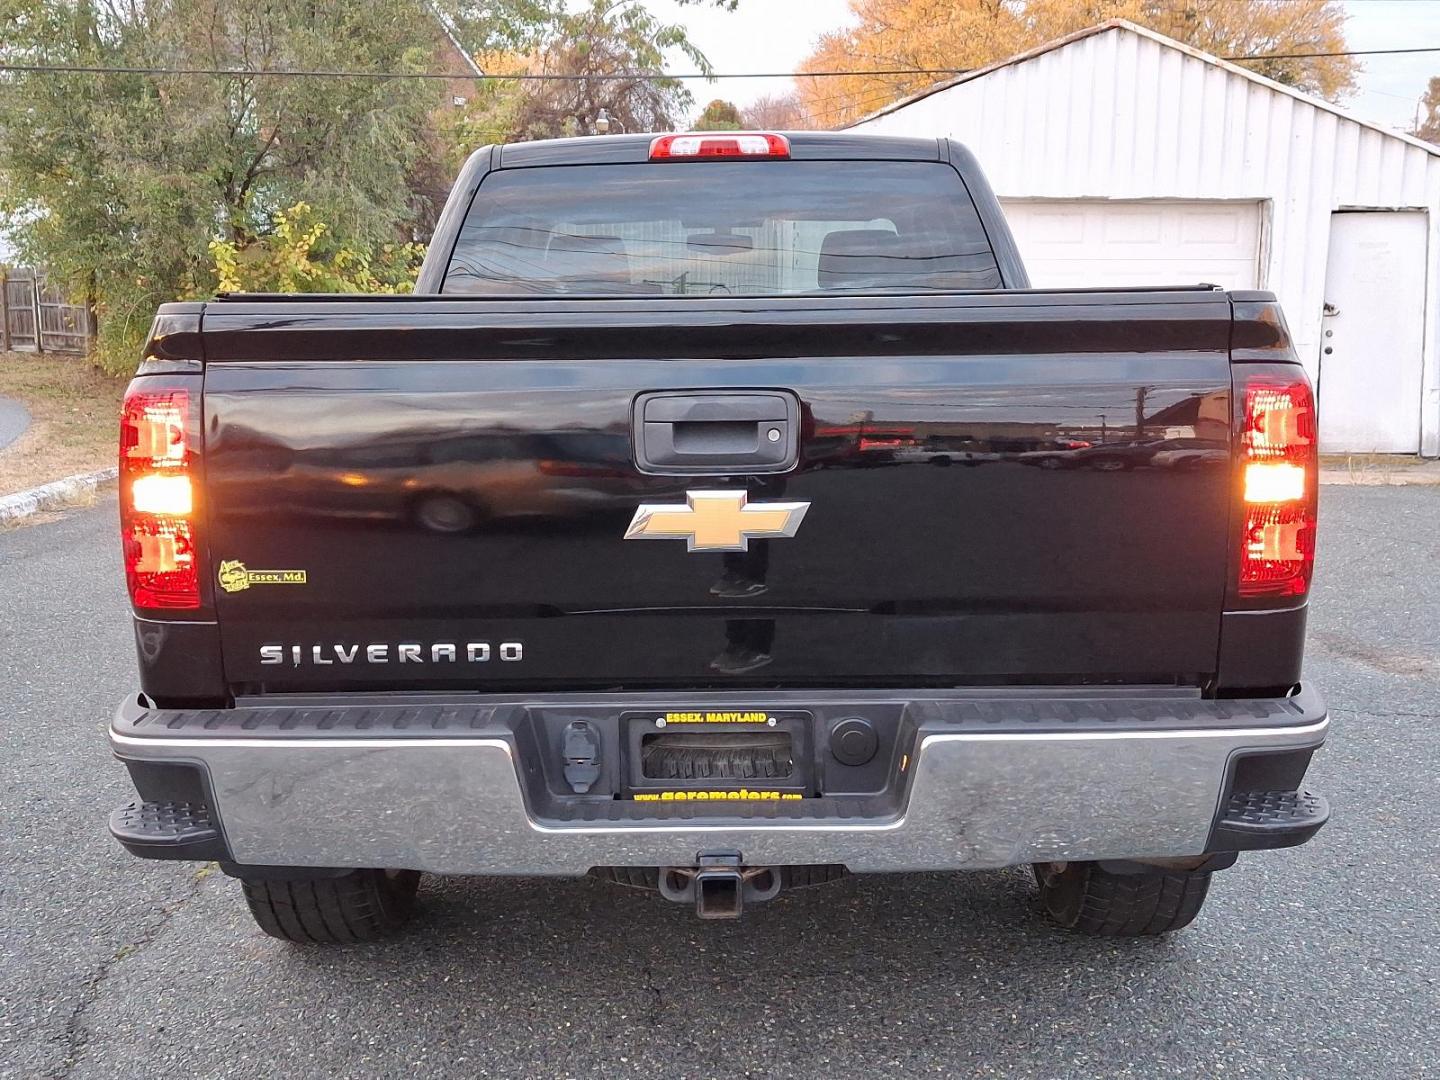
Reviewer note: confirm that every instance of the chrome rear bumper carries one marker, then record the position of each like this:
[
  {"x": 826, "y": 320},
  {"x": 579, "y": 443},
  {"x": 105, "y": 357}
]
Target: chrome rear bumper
[{"x": 321, "y": 791}]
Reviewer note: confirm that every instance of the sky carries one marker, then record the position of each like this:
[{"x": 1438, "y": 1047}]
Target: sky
[
  {"x": 759, "y": 35},
  {"x": 775, "y": 35},
  {"x": 1390, "y": 86}
]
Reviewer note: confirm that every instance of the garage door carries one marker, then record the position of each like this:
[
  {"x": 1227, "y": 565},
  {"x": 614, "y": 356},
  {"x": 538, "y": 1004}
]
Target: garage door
[{"x": 1078, "y": 243}]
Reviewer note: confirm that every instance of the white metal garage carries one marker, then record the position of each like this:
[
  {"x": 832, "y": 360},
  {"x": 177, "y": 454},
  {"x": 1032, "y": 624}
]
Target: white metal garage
[{"x": 1126, "y": 158}]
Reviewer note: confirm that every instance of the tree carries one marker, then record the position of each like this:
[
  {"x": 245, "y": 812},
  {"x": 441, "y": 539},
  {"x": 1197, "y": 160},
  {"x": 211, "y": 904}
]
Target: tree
[
  {"x": 941, "y": 36},
  {"x": 1427, "y": 119},
  {"x": 611, "y": 54},
  {"x": 133, "y": 187},
  {"x": 300, "y": 256},
  {"x": 719, "y": 116},
  {"x": 118, "y": 183},
  {"x": 775, "y": 112}
]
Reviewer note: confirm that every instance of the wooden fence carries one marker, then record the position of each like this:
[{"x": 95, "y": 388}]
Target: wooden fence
[{"x": 37, "y": 318}]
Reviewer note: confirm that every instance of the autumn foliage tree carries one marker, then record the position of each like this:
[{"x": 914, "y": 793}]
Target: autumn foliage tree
[
  {"x": 1427, "y": 125},
  {"x": 935, "y": 37}
]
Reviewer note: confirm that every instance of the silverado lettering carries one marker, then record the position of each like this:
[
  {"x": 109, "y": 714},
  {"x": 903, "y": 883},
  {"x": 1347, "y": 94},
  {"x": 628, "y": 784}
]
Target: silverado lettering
[
  {"x": 1047, "y": 606},
  {"x": 474, "y": 652}
]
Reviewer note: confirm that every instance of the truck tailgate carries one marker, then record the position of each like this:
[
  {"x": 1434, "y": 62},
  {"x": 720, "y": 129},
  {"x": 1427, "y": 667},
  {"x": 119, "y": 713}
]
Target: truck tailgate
[{"x": 1022, "y": 487}]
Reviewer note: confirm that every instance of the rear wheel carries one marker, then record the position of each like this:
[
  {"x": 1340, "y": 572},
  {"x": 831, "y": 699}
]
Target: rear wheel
[
  {"x": 444, "y": 513},
  {"x": 1082, "y": 896},
  {"x": 362, "y": 905}
]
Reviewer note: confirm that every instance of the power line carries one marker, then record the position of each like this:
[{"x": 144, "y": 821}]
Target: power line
[
  {"x": 624, "y": 76},
  {"x": 1321, "y": 55},
  {"x": 862, "y": 107},
  {"x": 244, "y": 73}
]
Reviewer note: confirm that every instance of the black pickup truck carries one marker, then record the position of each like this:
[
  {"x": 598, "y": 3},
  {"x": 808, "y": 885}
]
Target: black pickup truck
[{"x": 723, "y": 513}]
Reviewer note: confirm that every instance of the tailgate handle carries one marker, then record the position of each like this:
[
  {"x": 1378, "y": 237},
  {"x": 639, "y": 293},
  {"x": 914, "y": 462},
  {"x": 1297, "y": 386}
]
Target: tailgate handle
[{"x": 697, "y": 432}]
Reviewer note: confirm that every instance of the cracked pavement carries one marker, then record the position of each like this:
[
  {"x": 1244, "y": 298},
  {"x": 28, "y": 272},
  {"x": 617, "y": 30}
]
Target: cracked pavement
[{"x": 1318, "y": 962}]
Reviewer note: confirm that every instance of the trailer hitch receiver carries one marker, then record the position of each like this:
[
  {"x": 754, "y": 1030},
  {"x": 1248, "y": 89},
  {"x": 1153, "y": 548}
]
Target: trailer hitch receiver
[{"x": 719, "y": 885}]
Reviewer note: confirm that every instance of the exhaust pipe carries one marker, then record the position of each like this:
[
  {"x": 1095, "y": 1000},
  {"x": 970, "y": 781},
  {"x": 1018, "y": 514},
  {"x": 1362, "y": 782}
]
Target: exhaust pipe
[{"x": 719, "y": 885}]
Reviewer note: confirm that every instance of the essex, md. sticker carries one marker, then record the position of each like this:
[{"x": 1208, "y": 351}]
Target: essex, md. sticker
[{"x": 235, "y": 577}]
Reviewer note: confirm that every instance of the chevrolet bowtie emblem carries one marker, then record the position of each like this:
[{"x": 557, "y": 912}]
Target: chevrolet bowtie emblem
[{"x": 716, "y": 521}]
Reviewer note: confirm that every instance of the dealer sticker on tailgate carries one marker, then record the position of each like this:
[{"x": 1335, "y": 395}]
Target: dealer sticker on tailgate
[{"x": 717, "y": 718}]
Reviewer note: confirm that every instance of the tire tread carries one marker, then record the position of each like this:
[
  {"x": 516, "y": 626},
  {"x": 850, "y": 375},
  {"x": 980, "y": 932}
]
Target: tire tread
[
  {"x": 1095, "y": 901},
  {"x": 362, "y": 905}
]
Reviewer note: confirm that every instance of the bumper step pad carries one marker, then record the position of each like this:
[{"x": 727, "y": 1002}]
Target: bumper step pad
[
  {"x": 168, "y": 830},
  {"x": 1269, "y": 819}
]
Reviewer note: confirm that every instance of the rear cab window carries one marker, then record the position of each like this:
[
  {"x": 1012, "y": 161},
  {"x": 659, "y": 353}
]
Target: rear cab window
[{"x": 745, "y": 228}]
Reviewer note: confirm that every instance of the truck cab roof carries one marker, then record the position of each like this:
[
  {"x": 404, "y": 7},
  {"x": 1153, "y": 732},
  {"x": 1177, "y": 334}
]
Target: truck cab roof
[{"x": 631, "y": 149}]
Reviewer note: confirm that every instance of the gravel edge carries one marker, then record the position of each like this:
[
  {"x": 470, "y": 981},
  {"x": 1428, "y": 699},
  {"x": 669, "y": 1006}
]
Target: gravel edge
[
  {"x": 56, "y": 495},
  {"x": 1414, "y": 477}
]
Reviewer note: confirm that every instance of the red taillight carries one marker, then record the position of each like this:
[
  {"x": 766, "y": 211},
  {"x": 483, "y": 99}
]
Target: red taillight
[
  {"x": 1278, "y": 451},
  {"x": 728, "y": 144},
  {"x": 157, "y": 499},
  {"x": 581, "y": 470}
]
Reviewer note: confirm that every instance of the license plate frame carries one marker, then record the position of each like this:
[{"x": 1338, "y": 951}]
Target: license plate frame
[{"x": 799, "y": 724}]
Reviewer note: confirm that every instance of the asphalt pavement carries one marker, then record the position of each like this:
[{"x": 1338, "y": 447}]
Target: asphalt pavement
[
  {"x": 1319, "y": 962},
  {"x": 14, "y": 419}
]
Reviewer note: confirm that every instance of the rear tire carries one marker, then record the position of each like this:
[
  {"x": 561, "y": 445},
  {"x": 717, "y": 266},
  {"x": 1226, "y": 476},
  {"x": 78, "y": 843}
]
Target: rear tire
[
  {"x": 1084, "y": 897},
  {"x": 446, "y": 514},
  {"x": 362, "y": 905}
]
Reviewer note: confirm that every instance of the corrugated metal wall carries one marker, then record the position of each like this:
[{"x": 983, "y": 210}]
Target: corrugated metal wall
[{"x": 1119, "y": 115}]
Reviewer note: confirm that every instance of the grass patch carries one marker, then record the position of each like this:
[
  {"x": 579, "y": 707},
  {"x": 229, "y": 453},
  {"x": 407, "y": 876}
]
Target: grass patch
[{"x": 74, "y": 419}]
